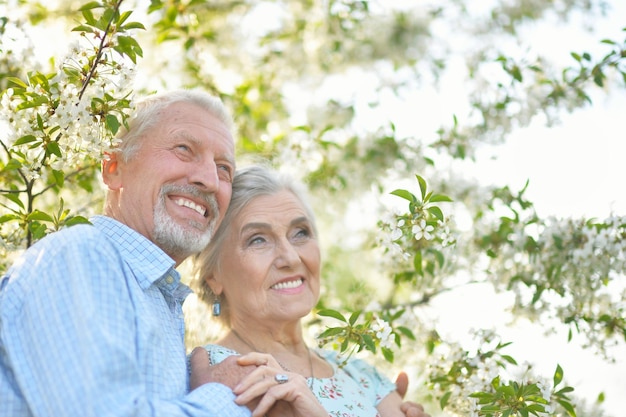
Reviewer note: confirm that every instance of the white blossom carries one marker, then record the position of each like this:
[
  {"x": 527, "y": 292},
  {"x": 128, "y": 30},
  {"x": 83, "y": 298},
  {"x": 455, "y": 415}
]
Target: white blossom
[{"x": 422, "y": 230}]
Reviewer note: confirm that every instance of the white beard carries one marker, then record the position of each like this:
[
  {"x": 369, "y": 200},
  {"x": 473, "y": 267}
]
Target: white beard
[{"x": 181, "y": 240}]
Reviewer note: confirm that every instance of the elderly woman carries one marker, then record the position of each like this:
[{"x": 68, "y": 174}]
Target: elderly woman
[{"x": 261, "y": 272}]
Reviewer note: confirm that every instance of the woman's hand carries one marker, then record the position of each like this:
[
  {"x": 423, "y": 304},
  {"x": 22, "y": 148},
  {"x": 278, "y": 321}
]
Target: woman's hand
[
  {"x": 409, "y": 408},
  {"x": 280, "y": 396}
]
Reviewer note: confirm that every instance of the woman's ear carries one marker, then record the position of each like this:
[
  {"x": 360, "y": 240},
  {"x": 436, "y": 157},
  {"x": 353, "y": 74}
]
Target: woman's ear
[
  {"x": 111, "y": 173},
  {"x": 216, "y": 286}
]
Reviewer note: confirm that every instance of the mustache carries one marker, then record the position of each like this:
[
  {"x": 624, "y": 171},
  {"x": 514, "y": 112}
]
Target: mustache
[{"x": 192, "y": 190}]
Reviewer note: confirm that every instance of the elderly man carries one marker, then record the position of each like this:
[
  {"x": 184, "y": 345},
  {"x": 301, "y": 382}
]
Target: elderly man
[{"x": 90, "y": 317}]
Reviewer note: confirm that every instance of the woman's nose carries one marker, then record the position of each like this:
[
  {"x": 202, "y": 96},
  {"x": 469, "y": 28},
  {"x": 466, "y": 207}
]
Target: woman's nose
[{"x": 287, "y": 255}]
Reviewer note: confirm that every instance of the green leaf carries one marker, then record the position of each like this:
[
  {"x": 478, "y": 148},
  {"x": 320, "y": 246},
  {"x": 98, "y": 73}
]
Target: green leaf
[
  {"x": 558, "y": 375},
  {"x": 40, "y": 216},
  {"x": 14, "y": 198},
  {"x": 507, "y": 390},
  {"x": 133, "y": 25},
  {"x": 332, "y": 313},
  {"x": 354, "y": 317},
  {"x": 422, "y": 184},
  {"x": 90, "y": 5},
  {"x": 38, "y": 230},
  {"x": 83, "y": 28},
  {"x": 516, "y": 72},
  {"x": 9, "y": 217},
  {"x": 17, "y": 82},
  {"x": 436, "y": 211},
  {"x": 369, "y": 343},
  {"x": 439, "y": 256},
  {"x": 72, "y": 221},
  {"x": 564, "y": 390},
  {"x": 331, "y": 331},
  {"x": 59, "y": 177},
  {"x": 436, "y": 198},
  {"x": 443, "y": 401},
  {"x": 406, "y": 331},
  {"x": 568, "y": 407},
  {"x": 25, "y": 139},
  {"x": 388, "y": 354},
  {"x": 404, "y": 194},
  {"x": 417, "y": 263},
  {"x": 88, "y": 16},
  {"x": 53, "y": 148},
  {"x": 509, "y": 359},
  {"x": 482, "y": 395},
  {"x": 112, "y": 123}
]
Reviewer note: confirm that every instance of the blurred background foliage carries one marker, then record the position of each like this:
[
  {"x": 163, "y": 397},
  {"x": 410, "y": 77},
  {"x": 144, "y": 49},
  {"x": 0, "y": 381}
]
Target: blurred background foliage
[{"x": 322, "y": 89}]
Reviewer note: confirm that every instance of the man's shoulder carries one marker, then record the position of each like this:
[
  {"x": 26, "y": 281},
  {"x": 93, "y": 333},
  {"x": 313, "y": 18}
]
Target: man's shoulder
[{"x": 73, "y": 236}]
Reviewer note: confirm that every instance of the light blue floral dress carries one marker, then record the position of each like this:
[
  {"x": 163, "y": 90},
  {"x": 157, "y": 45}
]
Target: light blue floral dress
[{"x": 354, "y": 390}]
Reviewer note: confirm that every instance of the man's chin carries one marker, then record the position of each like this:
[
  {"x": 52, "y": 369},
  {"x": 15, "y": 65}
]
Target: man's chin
[{"x": 182, "y": 243}]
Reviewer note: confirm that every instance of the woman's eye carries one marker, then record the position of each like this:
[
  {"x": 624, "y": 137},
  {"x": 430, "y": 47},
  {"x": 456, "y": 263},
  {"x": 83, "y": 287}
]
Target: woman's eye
[{"x": 302, "y": 233}]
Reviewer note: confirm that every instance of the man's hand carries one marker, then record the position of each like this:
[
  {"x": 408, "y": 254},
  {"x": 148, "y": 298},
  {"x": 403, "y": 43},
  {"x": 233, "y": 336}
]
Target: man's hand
[
  {"x": 409, "y": 408},
  {"x": 227, "y": 372}
]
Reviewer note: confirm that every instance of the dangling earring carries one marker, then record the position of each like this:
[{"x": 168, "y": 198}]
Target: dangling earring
[{"x": 217, "y": 306}]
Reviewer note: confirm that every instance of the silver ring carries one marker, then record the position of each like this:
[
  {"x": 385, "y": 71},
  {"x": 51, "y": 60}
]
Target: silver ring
[{"x": 281, "y": 378}]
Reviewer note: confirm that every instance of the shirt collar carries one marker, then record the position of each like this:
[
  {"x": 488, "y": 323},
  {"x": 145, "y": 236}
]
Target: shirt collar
[{"x": 148, "y": 262}]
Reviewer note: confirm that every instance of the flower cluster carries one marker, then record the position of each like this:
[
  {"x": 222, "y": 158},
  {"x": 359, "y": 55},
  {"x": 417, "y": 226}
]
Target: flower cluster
[
  {"x": 55, "y": 125},
  {"x": 576, "y": 266},
  {"x": 474, "y": 381},
  {"x": 383, "y": 333},
  {"x": 49, "y": 123}
]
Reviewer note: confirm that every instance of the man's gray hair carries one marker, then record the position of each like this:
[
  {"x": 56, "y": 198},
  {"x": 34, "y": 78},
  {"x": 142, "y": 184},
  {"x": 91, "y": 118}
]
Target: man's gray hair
[{"x": 149, "y": 111}]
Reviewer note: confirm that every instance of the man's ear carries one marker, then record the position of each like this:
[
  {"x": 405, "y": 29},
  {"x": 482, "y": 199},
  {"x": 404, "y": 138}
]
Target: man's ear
[{"x": 111, "y": 173}]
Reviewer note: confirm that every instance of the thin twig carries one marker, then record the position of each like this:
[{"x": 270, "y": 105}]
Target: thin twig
[{"x": 92, "y": 70}]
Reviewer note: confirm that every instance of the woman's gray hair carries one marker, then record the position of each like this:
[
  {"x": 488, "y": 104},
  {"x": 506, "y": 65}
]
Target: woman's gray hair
[
  {"x": 249, "y": 183},
  {"x": 149, "y": 111}
]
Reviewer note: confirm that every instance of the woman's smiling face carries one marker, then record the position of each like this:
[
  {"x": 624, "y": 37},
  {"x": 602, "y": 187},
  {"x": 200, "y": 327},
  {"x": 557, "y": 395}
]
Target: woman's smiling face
[{"x": 269, "y": 267}]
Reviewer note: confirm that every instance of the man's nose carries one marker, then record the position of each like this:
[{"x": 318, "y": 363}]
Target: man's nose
[{"x": 205, "y": 176}]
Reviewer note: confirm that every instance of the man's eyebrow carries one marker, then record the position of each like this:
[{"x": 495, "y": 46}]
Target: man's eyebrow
[
  {"x": 186, "y": 136},
  {"x": 191, "y": 138}
]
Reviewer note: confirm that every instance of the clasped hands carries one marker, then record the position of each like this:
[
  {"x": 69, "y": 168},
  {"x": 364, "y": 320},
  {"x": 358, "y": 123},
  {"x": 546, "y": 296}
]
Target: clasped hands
[{"x": 252, "y": 377}]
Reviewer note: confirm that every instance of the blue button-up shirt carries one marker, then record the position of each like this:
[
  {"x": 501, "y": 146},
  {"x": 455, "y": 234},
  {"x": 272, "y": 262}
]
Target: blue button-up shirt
[{"x": 91, "y": 324}]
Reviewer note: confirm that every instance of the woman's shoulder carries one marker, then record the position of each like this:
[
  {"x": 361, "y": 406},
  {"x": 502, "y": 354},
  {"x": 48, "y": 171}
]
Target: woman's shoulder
[{"x": 218, "y": 353}]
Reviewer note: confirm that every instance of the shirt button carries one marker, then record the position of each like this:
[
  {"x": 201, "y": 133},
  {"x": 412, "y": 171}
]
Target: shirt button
[{"x": 169, "y": 279}]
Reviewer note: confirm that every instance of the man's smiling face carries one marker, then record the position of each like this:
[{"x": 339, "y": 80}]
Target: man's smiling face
[{"x": 175, "y": 189}]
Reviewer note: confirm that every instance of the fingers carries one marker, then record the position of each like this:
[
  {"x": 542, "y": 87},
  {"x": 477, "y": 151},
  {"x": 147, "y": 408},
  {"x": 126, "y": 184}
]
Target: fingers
[
  {"x": 293, "y": 397},
  {"x": 411, "y": 409},
  {"x": 402, "y": 384},
  {"x": 257, "y": 359},
  {"x": 199, "y": 363},
  {"x": 259, "y": 381},
  {"x": 271, "y": 386}
]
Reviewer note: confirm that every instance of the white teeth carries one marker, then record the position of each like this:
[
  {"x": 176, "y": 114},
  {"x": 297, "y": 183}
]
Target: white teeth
[
  {"x": 287, "y": 284},
  {"x": 190, "y": 204}
]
